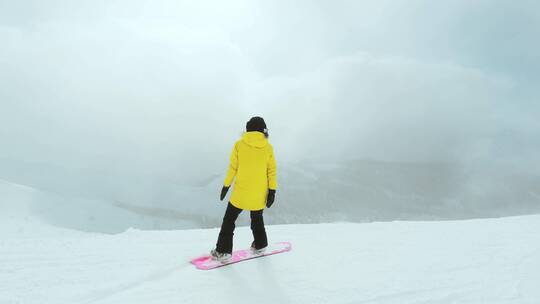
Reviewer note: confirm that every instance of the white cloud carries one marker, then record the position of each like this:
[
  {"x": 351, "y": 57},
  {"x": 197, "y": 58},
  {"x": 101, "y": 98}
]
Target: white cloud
[{"x": 154, "y": 90}]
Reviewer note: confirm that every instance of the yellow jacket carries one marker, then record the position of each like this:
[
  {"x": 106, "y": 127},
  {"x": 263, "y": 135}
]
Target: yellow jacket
[{"x": 254, "y": 166}]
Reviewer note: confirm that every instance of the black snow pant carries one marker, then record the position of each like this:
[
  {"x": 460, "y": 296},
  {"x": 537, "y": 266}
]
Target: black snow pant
[{"x": 225, "y": 239}]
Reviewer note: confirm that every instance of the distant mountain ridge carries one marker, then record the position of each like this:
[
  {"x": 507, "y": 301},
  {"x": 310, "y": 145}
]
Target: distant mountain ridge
[{"x": 348, "y": 191}]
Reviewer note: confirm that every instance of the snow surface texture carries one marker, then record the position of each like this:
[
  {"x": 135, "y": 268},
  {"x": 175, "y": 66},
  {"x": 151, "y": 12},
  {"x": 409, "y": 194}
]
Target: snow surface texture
[{"x": 469, "y": 261}]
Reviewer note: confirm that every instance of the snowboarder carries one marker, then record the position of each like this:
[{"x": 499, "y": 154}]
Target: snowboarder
[{"x": 253, "y": 165}]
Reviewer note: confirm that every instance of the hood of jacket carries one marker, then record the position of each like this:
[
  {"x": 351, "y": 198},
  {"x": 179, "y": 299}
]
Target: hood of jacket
[{"x": 255, "y": 139}]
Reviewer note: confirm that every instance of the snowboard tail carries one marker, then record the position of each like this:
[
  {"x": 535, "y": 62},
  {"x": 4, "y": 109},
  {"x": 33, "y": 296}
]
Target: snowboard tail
[{"x": 206, "y": 262}]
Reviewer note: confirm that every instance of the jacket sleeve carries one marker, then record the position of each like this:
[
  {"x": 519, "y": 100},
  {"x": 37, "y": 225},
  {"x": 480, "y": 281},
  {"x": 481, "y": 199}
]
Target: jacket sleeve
[
  {"x": 271, "y": 171},
  {"x": 233, "y": 167}
]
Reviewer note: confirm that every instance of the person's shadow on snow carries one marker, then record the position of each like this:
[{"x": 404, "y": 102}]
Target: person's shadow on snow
[{"x": 261, "y": 286}]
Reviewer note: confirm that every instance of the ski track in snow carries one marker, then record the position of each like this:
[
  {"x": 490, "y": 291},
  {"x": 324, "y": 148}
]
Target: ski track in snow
[
  {"x": 473, "y": 261},
  {"x": 102, "y": 294}
]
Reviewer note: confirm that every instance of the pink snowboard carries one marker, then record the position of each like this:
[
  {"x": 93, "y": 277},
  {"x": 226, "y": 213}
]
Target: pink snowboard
[{"x": 205, "y": 262}]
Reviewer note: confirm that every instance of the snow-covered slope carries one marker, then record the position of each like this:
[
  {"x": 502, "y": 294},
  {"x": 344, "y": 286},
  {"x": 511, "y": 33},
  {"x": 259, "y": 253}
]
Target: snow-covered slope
[
  {"x": 20, "y": 206},
  {"x": 471, "y": 261}
]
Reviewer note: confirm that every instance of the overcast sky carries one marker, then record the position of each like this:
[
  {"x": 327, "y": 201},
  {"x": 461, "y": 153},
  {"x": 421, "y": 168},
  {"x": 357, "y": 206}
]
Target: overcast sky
[{"x": 165, "y": 87}]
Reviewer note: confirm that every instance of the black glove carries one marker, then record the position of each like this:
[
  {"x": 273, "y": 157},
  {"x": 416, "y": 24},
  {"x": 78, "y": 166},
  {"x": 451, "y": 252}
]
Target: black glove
[
  {"x": 223, "y": 192},
  {"x": 270, "y": 198}
]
